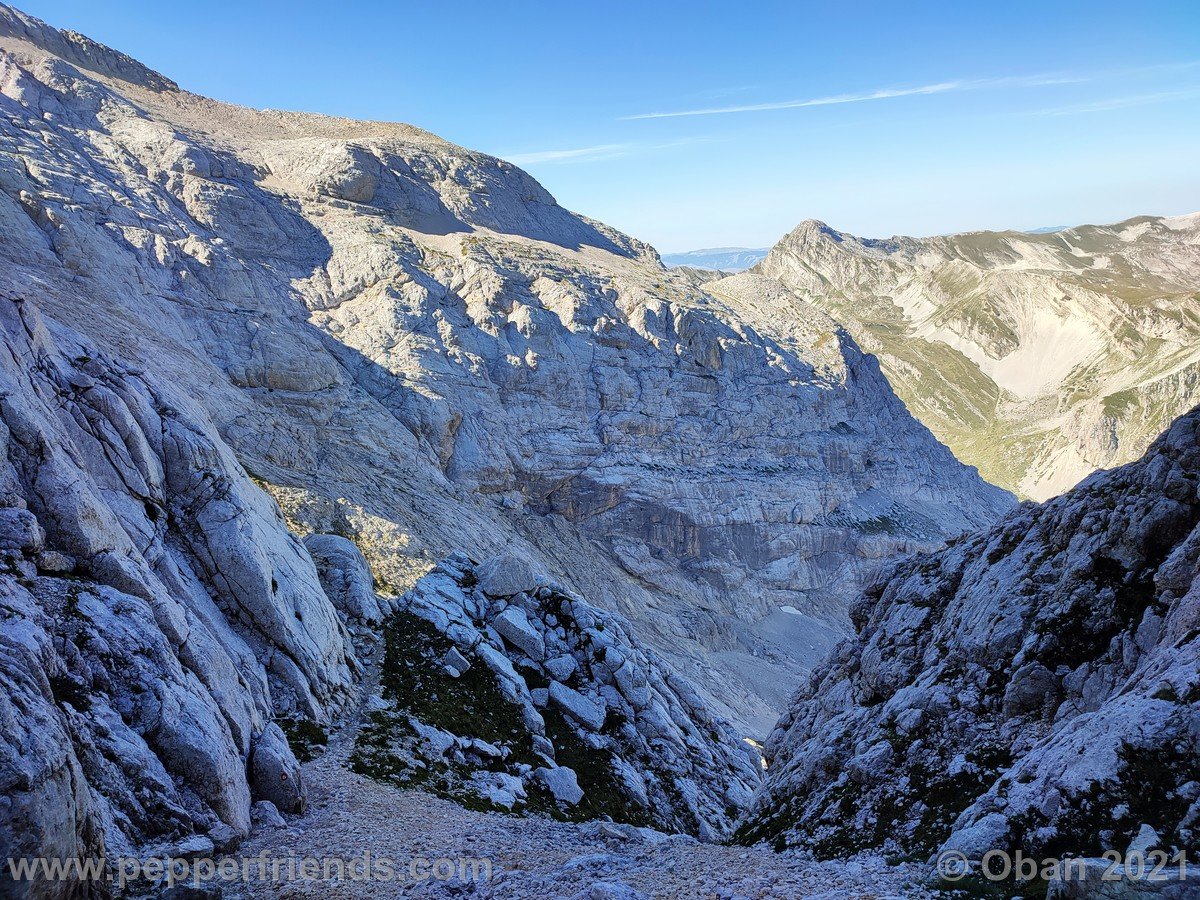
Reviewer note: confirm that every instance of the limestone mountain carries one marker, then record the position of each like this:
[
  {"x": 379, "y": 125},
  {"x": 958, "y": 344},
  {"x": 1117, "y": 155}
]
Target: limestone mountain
[
  {"x": 1035, "y": 686},
  {"x": 233, "y": 336},
  {"x": 1036, "y": 357}
]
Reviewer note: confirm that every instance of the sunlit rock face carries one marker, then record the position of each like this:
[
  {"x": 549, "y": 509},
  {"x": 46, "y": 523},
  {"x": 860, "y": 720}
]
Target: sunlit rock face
[
  {"x": 228, "y": 330},
  {"x": 158, "y": 616},
  {"x": 1038, "y": 358},
  {"x": 1033, "y": 687}
]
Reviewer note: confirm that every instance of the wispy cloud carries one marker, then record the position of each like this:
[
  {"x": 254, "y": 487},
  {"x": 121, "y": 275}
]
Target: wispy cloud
[
  {"x": 941, "y": 87},
  {"x": 1120, "y": 102},
  {"x": 577, "y": 155},
  {"x": 594, "y": 154}
]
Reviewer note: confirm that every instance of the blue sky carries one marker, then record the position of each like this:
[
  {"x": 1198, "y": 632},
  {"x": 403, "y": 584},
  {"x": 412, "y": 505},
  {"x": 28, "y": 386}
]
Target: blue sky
[{"x": 879, "y": 118}]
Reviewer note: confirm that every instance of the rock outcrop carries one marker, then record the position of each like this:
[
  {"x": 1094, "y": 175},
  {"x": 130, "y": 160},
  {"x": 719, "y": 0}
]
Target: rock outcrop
[
  {"x": 1038, "y": 358},
  {"x": 1033, "y": 687},
  {"x": 157, "y": 615},
  {"x": 523, "y": 697},
  {"x": 412, "y": 346},
  {"x": 262, "y": 370}
]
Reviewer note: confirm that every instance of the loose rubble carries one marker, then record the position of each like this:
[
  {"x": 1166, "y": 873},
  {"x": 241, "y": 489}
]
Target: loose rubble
[
  {"x": 502, "y": 690},
  {"x": 537, "y": 858},
  {"x": 1034, "y": 687}
]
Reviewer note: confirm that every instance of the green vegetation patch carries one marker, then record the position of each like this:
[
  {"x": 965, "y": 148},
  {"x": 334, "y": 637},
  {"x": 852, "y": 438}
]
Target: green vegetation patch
[
  {"x": 415, "y": 682},
  {"x": 306, "y": 738}
]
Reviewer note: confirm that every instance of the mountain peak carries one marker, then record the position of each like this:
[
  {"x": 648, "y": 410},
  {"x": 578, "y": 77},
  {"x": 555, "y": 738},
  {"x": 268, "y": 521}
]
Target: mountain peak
[
  {"x": 815, "y": 227},
  {"x": 995, "y": 323},
  {"x": 81, "y": 51}
]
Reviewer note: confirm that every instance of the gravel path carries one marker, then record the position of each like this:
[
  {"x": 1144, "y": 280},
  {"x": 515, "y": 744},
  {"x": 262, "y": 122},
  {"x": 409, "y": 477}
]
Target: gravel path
[{"x": 530, "y": 857}]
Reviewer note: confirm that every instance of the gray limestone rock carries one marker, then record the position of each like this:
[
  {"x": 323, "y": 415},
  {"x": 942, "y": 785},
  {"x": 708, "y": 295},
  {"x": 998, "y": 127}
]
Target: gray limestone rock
[
  {"x": 274, "y": 773},
  {"x": 508, "y": 574},
  {"x": 513, "y": 625},
  {"x": 1032, "y": 687},
  {"x": 228, "y": 329},
  {"x": 577, "y": 706},
  {"x": 345, "y": 577},
  {"x": 561, "y": 783},
  {"x": 660, "y": 757}
]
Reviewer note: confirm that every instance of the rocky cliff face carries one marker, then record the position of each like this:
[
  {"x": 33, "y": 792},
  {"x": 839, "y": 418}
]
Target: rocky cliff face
[
  {"x": 157, "y": 614},
  {"x": 406, "y": 345},
  {"x": 1036, "y": 357},
  {"x": 1035, "y": 686},
  {"x": 415, "y": 345}
]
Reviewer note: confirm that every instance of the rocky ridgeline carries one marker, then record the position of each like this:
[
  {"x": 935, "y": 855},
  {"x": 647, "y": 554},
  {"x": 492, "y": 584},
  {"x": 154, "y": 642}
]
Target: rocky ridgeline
[
  {"x": 1035, "y": 686},
  {"x": 1037, "y": 357},
  {"x": 374, "y": 318},
  {"x": 502, "y": 690}
]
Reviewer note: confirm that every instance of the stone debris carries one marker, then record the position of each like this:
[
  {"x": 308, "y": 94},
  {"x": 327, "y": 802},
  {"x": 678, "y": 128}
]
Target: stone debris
[
  {"x": 1033, "y": 687},
  {"x": 654, "y": 752},
  {"x": 536, "y": 858}
]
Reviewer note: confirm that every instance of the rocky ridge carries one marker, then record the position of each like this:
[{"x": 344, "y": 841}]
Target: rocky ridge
[
  {"x": 1034, "y": 686},
  {"x": 412, "y": 344},
  {"x": 250, "y": 355},
  {"x": 1038, "y": 358}
]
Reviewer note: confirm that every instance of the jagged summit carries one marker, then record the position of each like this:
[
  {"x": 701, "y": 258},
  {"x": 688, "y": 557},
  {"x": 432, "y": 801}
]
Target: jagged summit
[{"x": 80, "y": 50}]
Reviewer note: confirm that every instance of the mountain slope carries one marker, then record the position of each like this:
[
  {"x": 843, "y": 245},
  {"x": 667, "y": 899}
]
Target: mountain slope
[
  {"x": 412, "y": 342},
  {"x": 1036, "y": 357},
  {"x": 1035, "y": 686},
  {"x": 212, "y": 310}
]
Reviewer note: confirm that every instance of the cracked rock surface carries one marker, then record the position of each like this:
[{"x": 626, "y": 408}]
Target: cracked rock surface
[
  {"x": 261, "y": 369},
  {"x": 412, "y": 345},
  {"x": 157, "y": 613},
  {"x": 1035, "y": 686}
]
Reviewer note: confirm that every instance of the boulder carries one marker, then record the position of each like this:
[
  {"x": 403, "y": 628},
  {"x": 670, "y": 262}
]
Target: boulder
[
  {"x": 275, "y": 773},
  {"x": 561, "y": 668},
  {"x": 345, "y": 576},
  {"x": 609, "y": 890},
  {"x": 577, "y": 706},
  {"x": 264, "y": 814},
  {"x": 455, "y": 661},
  {"x": 562, "y": 784},
  {"x": 514, "y": 626},
  {"x": 1032, "y": 686},
  {"x": 507, "y": 575},
  {"x": 1097, "y": 879},
  {"x": 19, "y": 530}
]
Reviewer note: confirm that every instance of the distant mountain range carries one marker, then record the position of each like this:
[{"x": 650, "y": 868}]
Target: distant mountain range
[
  {"x": 738, "y": 259},
  {"x": 723, "y": 259},
  {"x": 1038, "y": 357}
]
